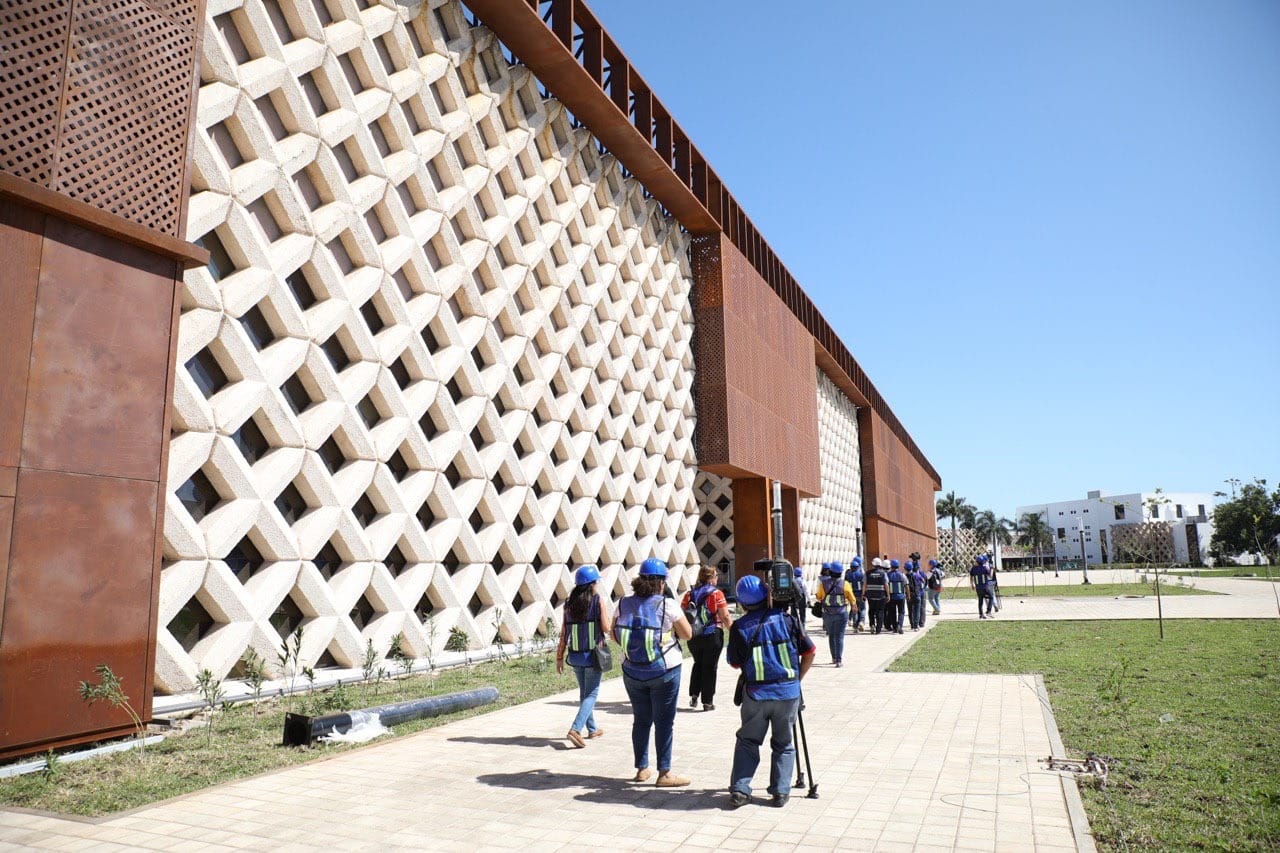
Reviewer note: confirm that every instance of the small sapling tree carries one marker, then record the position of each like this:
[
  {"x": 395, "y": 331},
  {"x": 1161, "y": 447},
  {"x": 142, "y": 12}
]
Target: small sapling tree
[
  {"x": 110, "y": 689},
  {"x": 210, "y": 689}
]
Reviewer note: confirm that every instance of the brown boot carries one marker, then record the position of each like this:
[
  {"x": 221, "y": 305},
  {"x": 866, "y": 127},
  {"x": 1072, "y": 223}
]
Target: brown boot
[{"x": 667, "y": 779}]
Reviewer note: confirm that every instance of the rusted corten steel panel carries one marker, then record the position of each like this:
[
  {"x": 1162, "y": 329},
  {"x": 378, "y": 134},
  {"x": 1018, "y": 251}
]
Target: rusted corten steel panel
[
  {"x": 19, "y": 271},
  {"x": 77, "y": 596},
  {"x": 106, "y": 90},
  {"x": 622, "y": 111},
  {"x": 99, "y": 359},
  {"x": 6, "y": 529},
  {"x": 897, "y": 492},
  {"x": 756, "y": 388}
]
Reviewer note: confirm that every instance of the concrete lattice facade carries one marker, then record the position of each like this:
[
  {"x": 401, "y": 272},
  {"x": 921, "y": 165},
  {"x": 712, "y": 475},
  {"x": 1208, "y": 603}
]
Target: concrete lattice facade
[
  {"x": 442, "y": 354},
  {"x": 714, "y": 540},
  {"x": 829, "y": 523}
]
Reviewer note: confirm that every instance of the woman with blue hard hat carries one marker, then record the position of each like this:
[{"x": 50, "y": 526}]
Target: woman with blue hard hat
[
  {"x": 586, "y": 626},
  {"x": 646, "y": 629}
]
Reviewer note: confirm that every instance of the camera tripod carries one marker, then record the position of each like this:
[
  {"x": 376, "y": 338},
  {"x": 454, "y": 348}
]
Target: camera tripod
[{"x": 798, "y": 735}]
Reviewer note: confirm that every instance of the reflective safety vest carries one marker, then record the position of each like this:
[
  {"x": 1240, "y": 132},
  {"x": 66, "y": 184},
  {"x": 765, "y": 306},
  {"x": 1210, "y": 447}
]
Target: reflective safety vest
[
  {"x": 877, "y": 587},
  {"x": 855, "y": 578},
  {"x": 639, "y": 631},
  {"x": 897, "y": 586},
  {"x": 773, "y": 656},
  {"x": 582, "y": 637},
  {"x": 833, "y": 595}
]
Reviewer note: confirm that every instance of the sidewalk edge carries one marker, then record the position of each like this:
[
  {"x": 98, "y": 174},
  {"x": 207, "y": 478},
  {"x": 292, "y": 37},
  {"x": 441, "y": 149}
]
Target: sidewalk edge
[{"x": 1070, "y": 791}]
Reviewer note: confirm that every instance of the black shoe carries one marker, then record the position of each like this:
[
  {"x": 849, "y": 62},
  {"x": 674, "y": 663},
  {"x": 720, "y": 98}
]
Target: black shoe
[
  {"x": 707, "y": 706},
  {"x": 780, "y": 800},
  {"x": 693, "y": 701},
  {"x": 737, "y": 799}
]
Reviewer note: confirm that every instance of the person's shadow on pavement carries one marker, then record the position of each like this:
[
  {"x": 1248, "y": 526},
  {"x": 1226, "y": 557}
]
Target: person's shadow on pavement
[
  {"x": 516, "y": 740},
  {"x": 602, "y": 789}
]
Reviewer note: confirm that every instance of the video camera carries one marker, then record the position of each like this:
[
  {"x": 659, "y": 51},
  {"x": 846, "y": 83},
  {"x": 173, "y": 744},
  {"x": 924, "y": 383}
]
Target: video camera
[{"x": 780, "y": 577}]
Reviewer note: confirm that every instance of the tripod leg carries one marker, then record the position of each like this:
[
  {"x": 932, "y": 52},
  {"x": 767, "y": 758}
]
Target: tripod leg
[
  {"x": 795, "y": 738},
  {"x": 804, "y": 742}
]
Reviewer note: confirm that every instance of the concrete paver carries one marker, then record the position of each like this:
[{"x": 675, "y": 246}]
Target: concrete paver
[{"x": 903, "y": 761}]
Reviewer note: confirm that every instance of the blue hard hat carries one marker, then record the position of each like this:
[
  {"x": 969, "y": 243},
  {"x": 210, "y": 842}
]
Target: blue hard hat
[
  {"x": 856, "y": 562},
  {"x": 893, "y": 564},
  {"x": 982, "y": 558},
  {"x": 799, "y": 572},
  {"x": 837, "y": 568},
  {"x": 585, "y": 575},
  {"x": 933, "y": 562},
  {"x": 750, "y": 590},
  {"x": 653, "y": 567}
]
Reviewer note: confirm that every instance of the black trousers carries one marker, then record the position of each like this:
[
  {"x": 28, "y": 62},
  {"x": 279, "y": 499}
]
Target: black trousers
[
  {"x": 875, "y": 612},
  {"x": 912, "y": 611},
  {"x": 706, "y": 659}
]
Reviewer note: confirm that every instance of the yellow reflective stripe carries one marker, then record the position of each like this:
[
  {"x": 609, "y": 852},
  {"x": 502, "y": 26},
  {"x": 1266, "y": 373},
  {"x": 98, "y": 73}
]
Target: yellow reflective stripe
[
  {"x": 624, "y": 639},
  {"x": 649, "y": 636},
  {"x": 757, "y": 658},
  {"x": 591, "y": 635},
  {"x": 785, "y": 657}
]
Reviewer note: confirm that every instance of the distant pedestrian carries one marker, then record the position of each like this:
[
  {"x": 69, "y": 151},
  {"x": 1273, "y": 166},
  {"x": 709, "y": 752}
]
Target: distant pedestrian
[
  {"x": 800, "y": 604},
  {"x": 919, "y": 582},
  {"x": 837, "y": 597},
  {"x": 706, "y": 644},
  {"x": 855, "y": 577},
  {"x": 936, "y": 574},
  {"x": 993, "y": 588},
  {"x": 980, "y": 581},
  {"x": 896, "y": 611},
  {"x": 875, "y": 589}
]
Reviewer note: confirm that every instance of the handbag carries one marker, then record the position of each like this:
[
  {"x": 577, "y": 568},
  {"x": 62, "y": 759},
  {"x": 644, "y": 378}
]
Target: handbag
[
  {"x": 816, "y": 609},
  {"x": 601, "y": 658}
]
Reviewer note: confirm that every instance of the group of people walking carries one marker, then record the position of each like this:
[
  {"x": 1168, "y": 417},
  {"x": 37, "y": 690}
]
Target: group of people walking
[
  {"x": 883, "y": 597},
  {"x": 767, "y": 644}
]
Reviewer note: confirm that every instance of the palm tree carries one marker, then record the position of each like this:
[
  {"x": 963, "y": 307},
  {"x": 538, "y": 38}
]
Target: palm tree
[
  {"x": 1032, "y": 530},
  {"x": 993, "y": 528},
  {"x": 959, "y": 510}
]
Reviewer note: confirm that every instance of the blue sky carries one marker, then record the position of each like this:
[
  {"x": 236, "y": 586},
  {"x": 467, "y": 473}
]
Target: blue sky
[{"x": 1049, "y": 232}]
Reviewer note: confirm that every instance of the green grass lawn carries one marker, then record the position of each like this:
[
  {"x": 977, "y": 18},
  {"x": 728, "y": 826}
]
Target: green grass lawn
[
  {"x": 1208, "y": 776},
  {"x": 246, "y": 745},
  {"x": 1235, "y": 572},
  {"x": 1078, "y": 590}
]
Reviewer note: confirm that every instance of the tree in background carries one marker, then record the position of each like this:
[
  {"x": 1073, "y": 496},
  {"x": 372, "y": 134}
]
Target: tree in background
[
  {"x": 1032, "y": 530},
  {"x": 959, "y": 511},
  {"x": 1250, "y": 522},
  {"x": 993, "y": 528}
]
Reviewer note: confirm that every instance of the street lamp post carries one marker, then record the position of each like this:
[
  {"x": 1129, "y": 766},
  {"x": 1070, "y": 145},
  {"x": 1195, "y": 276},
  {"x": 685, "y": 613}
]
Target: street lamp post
[{"x": 1084, "y": 559}]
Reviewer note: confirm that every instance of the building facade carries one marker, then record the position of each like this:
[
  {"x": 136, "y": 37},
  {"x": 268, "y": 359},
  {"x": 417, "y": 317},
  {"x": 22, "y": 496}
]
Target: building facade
[
  {"x": 463, "y": 309},
  {"x": 1173, "y": 527}
]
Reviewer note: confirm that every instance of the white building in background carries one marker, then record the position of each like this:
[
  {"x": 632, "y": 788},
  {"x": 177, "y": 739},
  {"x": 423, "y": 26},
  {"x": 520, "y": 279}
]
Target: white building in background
[{"x": 1187, "y": 515}]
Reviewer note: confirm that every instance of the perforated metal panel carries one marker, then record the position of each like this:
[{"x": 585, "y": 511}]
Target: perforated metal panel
[
  {"x": 109, "y": 127},
  {"x": 32, "y": 38}
]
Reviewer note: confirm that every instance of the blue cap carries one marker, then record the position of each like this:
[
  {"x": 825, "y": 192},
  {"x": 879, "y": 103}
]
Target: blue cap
[
  {"x": 653, "y": 567},
  {"x": 585, "y": 575},
  {"x": 750, "y": 590},
  {"x": 893, "y": 564}
]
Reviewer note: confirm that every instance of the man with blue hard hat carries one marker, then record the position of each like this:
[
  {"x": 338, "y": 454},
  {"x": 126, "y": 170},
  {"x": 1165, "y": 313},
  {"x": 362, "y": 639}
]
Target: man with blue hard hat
[
  {"x": 896, "y": 609},
  {"x": 773, "y": 653},
  {"x": 855, "y": 576}
]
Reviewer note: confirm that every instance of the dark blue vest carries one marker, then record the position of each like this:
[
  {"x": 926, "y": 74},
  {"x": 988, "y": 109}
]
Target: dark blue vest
[
  {"x": 772, "y": 654},
  {"x": 582, "y": 637}
]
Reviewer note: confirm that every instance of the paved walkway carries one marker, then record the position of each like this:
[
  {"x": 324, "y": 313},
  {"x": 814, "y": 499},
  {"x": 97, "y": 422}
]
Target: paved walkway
[{"x": 904, "y": 761}]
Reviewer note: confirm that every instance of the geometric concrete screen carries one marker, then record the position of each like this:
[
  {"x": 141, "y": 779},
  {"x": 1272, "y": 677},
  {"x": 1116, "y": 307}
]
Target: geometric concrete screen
[
  {"x": 440, "y": 357},
  {"x": 715, "y": 519},
  {"x": 829, "y": 523}
]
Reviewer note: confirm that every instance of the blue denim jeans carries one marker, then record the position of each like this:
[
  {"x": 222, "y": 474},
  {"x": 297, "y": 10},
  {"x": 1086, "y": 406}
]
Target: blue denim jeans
[
  {"x": 935, "y": 600},
  {"x": 834, "y": 624},
  {"x": 588, "y": 689},
  {"x": 860, "y": 613},
  {"x": 759, "y": 717},
  {"x": 653, "y": 704}
]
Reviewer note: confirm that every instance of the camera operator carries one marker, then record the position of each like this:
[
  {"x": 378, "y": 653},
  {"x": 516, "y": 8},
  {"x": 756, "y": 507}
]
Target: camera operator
[
  {"x": 773, "y": 653},
  {"x": 875, "y": 589}
]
